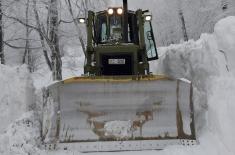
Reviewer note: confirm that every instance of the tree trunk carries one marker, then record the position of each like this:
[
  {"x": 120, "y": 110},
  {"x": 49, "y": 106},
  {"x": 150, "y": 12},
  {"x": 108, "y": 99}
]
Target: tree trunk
[
  {"x": 27, "y": 54},
  {"x": 181, "y": 15},
  {"x": 48, "y": 61},
  {"x": 40, "y": 32},
  {"x": 183, "y": 25},
  {"x": 2, "y": 56},
  {"x": 54, "y": 27}
]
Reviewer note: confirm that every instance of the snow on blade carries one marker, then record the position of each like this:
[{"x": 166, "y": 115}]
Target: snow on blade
[{"x": 121, "y": 129}]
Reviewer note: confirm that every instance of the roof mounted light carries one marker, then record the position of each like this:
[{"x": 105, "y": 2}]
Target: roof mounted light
[
  {"x": 81, "y": 20},
  {"x": 148, "y": 17},
  {"x": 110, "y": 11},
  {"x": 119, "y": 11}
]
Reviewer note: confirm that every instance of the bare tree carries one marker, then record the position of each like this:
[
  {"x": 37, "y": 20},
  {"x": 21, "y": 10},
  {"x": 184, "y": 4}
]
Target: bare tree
[
  {"x": 43, "y": 35},
  {"x": 53, "y": 36},
  {"x": 2, "y": 57},
  {"x": 48, "y": 38},
  {"x": 76, "y": 23}
]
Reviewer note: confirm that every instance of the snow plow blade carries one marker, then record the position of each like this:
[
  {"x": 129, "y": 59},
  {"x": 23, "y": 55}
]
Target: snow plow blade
[{"x": 93, "y": 114}]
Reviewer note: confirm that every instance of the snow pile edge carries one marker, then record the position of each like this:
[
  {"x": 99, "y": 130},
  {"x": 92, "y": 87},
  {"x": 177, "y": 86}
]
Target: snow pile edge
[{"x": 209, "y": 64}]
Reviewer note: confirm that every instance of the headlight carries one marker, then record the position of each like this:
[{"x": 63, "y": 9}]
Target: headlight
[
  {"x": 81, "y": 20},
  {"x": 119, "y": 11},
  {"x": 148, "y": 18},
  {"x": 110, "y": 11}
]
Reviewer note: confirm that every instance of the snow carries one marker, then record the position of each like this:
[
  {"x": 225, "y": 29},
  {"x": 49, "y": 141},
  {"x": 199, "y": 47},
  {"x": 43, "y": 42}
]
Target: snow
[
  {"x": 73, "y": 61},
  {"x": 226, "y": 42},
  {"x": 207, "y": 62},
  {"x": 16, "y": 95},
  {"x": 119, "y": 129},
  {"x": 221, "y": 116},
  {"x": 22, "y": 137},
  {"x": 212, "y": 74}
]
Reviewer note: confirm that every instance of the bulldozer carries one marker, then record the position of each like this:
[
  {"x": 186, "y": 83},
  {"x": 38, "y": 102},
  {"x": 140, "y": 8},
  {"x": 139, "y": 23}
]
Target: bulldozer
[{"x": 118, "y": 104}]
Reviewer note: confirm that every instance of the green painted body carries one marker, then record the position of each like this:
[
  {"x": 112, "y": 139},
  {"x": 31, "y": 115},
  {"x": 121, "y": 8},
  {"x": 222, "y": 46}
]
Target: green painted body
[{"x": 135, "y": 52}]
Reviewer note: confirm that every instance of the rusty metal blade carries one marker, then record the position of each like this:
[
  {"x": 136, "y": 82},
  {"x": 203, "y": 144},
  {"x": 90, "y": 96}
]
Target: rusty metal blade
[{"x": 94, "y": 111}]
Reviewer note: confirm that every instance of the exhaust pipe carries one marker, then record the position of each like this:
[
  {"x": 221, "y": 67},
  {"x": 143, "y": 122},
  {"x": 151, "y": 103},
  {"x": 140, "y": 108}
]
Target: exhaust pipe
[{"x": 125, "y": 25}]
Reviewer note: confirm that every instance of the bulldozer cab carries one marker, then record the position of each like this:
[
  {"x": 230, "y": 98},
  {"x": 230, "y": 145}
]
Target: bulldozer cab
[
  {"x": 120, "y": 42},
  {"x": 110, "y": 28}
]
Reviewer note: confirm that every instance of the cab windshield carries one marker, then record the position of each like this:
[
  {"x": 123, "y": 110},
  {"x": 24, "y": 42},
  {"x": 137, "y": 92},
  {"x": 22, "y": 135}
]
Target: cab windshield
[{"x": 110, "y": 28}]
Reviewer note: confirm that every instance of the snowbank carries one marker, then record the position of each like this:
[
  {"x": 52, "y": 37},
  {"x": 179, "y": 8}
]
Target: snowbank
[
  {"x": 209, "y": 64},
  {"x": 221, "y": 116},
  {"x": 224, "y": 33},
  {"x": 16, "y": 94}
]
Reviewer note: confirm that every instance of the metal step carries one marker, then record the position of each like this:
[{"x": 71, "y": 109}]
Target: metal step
[{"x": 119, "y": 145}]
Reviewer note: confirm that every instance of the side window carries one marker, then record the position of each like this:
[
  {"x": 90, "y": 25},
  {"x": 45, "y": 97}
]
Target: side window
[
  {"x": 101, "y": 32},
  {"x": 150, "y": 42}
]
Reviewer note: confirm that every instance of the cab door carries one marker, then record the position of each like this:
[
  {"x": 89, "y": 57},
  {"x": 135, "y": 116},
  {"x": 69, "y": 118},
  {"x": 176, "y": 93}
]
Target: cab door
[{"x": 150, "y": 44}]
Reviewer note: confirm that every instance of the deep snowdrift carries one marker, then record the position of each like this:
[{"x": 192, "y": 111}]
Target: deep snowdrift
[
  {"x": 16, "y": 99},
  {"x": 16, "y": 94},
  {"x": 208, "y": 63}
]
